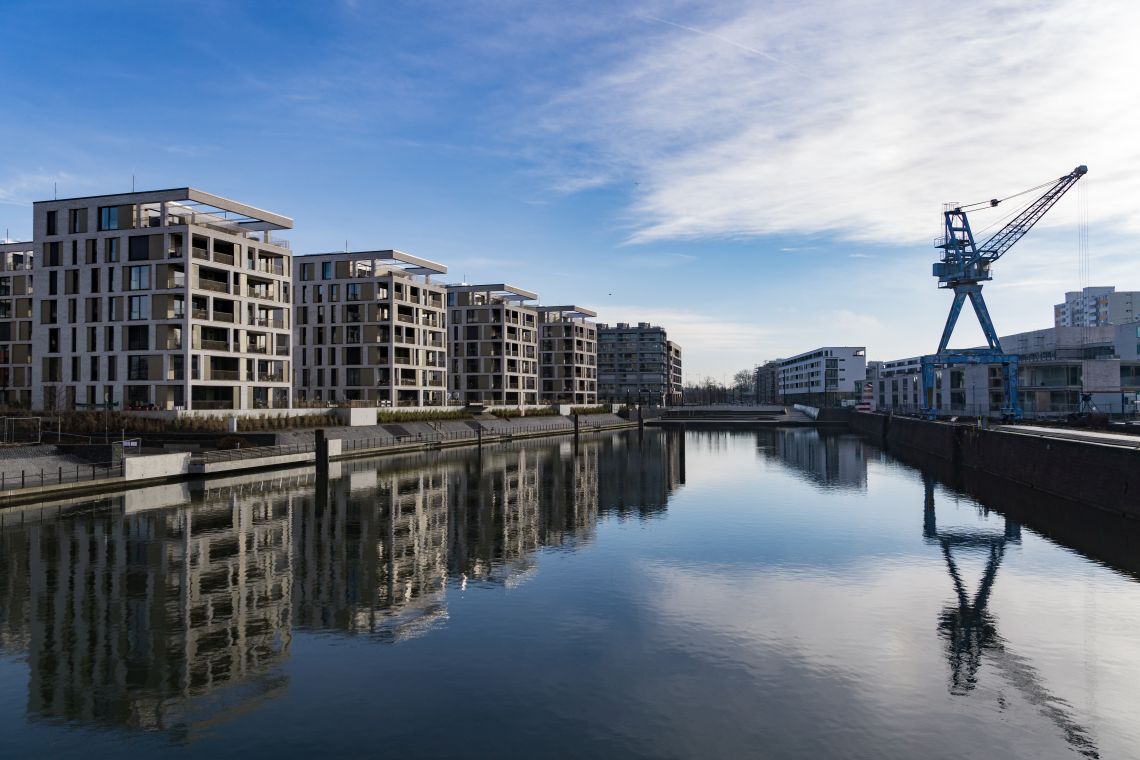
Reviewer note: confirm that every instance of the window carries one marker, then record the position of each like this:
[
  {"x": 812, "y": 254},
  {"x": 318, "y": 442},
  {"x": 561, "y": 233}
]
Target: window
[
  {"x": 94, "y": 280},
  {"x": 138, "y": 307},
  {"x": 352, "y": 291},
  {"x": 112, "y": 368},
  {"x": 94, "y": 362},
  {"x": 138, "y": 278},
  {"x": 51, "y": 250},
  {"x": 138, "y": 338},
  {"x": 139, "y": 249},
  {"x": 52, "y": 223},
  {"x": 111, "y": 250},
  {"x": 77, "y": 220},
  {"x": 109, "y": 218},
  {"x": 138, "y": 367},
  {"x": 306, "y": 271},
  {"x": 326, "y": 270}
]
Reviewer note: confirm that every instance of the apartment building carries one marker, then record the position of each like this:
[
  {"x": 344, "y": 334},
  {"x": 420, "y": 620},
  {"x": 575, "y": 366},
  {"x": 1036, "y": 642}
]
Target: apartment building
[
  {"x": 568, "y": 355},
  {"x": 823, "y": 376},
  {"x": 638, "y": 363},
  {"x": 1056, "y": 366},
  {"x": 1100, "y": 305},
  {"x": 370, "y": 328},
  {"x": 168, "y": 299},
  {"x": 493, "y": 344},
  {"x": 16, "y": 324},
  {"x": 767, "y": 377}
]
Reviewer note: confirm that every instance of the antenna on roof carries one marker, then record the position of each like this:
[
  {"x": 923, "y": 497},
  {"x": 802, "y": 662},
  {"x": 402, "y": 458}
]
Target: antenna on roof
[
  {"x": 346, "y": 246},
  {"x": 132, "y": 183},
  {"x": 55, "y": 190}
]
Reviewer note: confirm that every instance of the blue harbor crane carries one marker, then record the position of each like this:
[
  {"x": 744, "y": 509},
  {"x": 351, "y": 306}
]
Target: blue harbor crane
[{"x": 963, "y": 268}]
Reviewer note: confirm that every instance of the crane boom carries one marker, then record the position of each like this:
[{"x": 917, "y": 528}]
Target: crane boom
[{"x": 1004, "y": 239}]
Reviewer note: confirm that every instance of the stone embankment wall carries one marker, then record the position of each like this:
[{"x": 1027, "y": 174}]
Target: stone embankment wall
[{"x": 1094, "y": 474}]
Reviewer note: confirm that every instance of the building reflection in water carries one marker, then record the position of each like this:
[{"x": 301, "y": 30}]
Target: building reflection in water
[
  {"x": 164, "y": 612},
  {"x": 829, "y": 458},
  {"x": 151, "y": 620},
  {"x": 970, "y": 631}
]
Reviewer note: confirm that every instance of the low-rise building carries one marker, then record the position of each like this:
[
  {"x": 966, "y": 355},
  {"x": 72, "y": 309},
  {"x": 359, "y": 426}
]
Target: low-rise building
[
  {"x": 168, "y": 299},
  {"x": 638, "y": 364},
  {"x": 493, "y": 345},
  {"x": 823, "y": 376},
  {"x": 370, "y": 329},
  {"x": 1056, "y": 366},
  {"x": 568, "y": 355}
]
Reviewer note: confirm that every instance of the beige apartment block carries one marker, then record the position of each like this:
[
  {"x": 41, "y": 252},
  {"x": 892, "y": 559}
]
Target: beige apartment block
[
  {"x": 567, "y": 355},
  {"x": 493, "y": 345},
  {"x": 370, "y": 329},
  {"x": 16, "y": 324},
  {"x": 168, "y": 299}
]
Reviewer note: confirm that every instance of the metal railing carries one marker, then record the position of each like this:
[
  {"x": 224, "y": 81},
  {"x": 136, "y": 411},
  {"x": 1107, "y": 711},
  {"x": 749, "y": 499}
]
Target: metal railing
[
  {"x": 214, "y": 285},
  {"x": 59, "y": 475},
  {"x": 255, "y": 452}
]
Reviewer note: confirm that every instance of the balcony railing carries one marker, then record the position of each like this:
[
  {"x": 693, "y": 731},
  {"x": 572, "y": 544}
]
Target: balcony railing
[
  {"x": 200, "y": 253},
  {"x": 214, "y": 345},
  {"x": 202, "y": 404},
  {"x": 200, "y": 313},
  {"x": 223, "y": 258},
  {"x": 260, "y": 293},
  {"x": 223, "y": 316},
  {"x": 228, "y": 375},
  {"x": 253, "y": 348},
  {"x": 271, "y": 377},
  {"x": 214, "y": 285}
]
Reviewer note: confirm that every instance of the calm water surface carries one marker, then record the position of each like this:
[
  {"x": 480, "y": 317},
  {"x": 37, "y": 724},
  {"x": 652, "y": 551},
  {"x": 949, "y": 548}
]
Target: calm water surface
[{"x": 700, "y": 594}]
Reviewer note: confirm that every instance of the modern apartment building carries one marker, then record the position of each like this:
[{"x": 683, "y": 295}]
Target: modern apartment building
[
  {"x": 823, "y": 376},
  {"x": 568, "y": 355},
  {"x": 169, "y": 299},
  {"x": 638, "y": 363},
  {"x": 370, "y": 328},
  {"x": 493, "y": 345},
  {"x": 768, "y": 382},
  {"x": 16, "y": 324},
  {"x": 1056, "y": 366},
  {"x": 1101, "y": 305}
]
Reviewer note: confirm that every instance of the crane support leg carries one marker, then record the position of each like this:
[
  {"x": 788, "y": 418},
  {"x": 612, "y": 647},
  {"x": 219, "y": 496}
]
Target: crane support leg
[
  {"x": 979, "y": 304},
  {"x": 952, "y": 319}
]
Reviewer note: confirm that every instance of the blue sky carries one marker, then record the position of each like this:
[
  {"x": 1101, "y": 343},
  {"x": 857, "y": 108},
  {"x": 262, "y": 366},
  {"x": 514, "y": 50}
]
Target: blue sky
[{"x": 760, "y": 178}]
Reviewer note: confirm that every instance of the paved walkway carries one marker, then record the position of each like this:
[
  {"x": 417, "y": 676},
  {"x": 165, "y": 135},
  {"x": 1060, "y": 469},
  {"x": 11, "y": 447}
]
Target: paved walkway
[{"x": 1090, "y": 436}]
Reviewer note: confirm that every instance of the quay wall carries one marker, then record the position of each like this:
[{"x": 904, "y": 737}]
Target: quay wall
[{"x": 1093, "y": 474}]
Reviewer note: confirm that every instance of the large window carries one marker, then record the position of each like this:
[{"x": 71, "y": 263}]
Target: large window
[
  {"x": 138, "y": 307},
  {"x": 52, "y": 223},
  {"x": 111, "y": 250},
  {"x": 307, "y": 271},
  {"x": 138, "y": 278},
  {"x": 326, "y": 270},
  {"x": 109, "y": 218},
  {"x": 138, "y": 338},
  {"x": 139, "y": 248}
]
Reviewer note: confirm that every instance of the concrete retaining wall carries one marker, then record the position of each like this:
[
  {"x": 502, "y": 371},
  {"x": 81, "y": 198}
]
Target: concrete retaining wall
[
  {"x": 1093, "y": 474},
  {"x": 156, "y": 466}
]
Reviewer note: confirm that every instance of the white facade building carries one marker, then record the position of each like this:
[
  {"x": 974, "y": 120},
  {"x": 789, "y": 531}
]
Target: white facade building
[{"x": 823, "y": 376}]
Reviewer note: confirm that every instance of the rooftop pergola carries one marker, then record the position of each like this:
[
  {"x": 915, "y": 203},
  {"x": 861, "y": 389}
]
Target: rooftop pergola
[
  {"x": 197, "y": 202},
  {"x": 368, "y": 263},
  {"x": 569, "y": 312},
  {"x": 500, "y": 290}
]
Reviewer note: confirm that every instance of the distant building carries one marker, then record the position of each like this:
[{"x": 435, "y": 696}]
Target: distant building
[
  {"x": 567, "y": 355},
  {"x": 493, "y": 345},
  {"x": 1101, "y": 305},
  {"x": 768, "y": 382},
  {"x": 638, "y": 364},
  {"x": 823, "y": 376},
  {"x": 16, "y": 324},
  {"x": 1056, "y": 365},
  {"x": 370, "y": 328}
]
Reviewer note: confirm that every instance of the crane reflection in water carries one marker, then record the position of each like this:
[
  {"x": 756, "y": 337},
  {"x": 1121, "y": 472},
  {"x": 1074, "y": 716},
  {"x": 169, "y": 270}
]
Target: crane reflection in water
[{"x": 970, "y": 629}]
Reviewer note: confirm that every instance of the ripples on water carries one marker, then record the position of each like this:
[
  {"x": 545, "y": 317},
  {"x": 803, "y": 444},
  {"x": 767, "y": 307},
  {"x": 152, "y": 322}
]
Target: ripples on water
[{"x": 709, "y": 594}]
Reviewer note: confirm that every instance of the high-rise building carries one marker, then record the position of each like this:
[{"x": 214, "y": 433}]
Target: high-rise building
[
  {"x": 370, "y": 328},
  {"x": 1099, "y": 305},
  {"x": 638, "y": 364},
  {"x": 568, "y": 355},
  {"x": 493, "y": 345},
  {"x": 16, "y": 324},
  {"x": 169, "y": 299}
]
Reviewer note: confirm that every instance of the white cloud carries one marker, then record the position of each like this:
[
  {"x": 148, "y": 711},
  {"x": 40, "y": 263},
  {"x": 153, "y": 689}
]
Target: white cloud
[{"x": 859, "y": 118}]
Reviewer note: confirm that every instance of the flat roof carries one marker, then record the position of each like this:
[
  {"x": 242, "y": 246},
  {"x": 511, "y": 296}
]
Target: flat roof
[
  {"x": 15, "y": 247},
  {"x": 244, "y": 215},
  {"x": 391, "y": 257},
  {"x": 500, "y": 290},
  {"x": 570, "y": 311}
]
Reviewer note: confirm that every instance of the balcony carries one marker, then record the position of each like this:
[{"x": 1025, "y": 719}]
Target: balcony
[
  {"x": 281, "y": 351},
  {"x": 263, "y": 293},
  {"x": 200, "y": 313},
  {"x": 223, "y": 258},
  {"x": 214, "y": 285},
  {"x": 213, "y": 345},
  {"x": 267, "y": 322},
  {"x": 254, "y": 348},
  {"x": 224, "y": 316},
  {"x": 271, "y": 377},
  {"x": 228, "y": 375},
  {"x": 200, "y": 253}
]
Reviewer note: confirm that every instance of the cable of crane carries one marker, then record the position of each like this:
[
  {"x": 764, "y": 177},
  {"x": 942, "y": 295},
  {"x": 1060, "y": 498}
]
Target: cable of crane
[{"x": 996, "y": 201}]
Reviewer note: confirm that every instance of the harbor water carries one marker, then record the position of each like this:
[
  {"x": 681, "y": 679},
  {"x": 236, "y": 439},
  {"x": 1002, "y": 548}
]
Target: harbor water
[{"x": 659, "y": 594}]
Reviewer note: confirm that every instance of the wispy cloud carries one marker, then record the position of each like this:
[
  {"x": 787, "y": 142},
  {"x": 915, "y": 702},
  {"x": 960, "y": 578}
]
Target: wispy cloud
[{"x": 845, "y": 117}]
